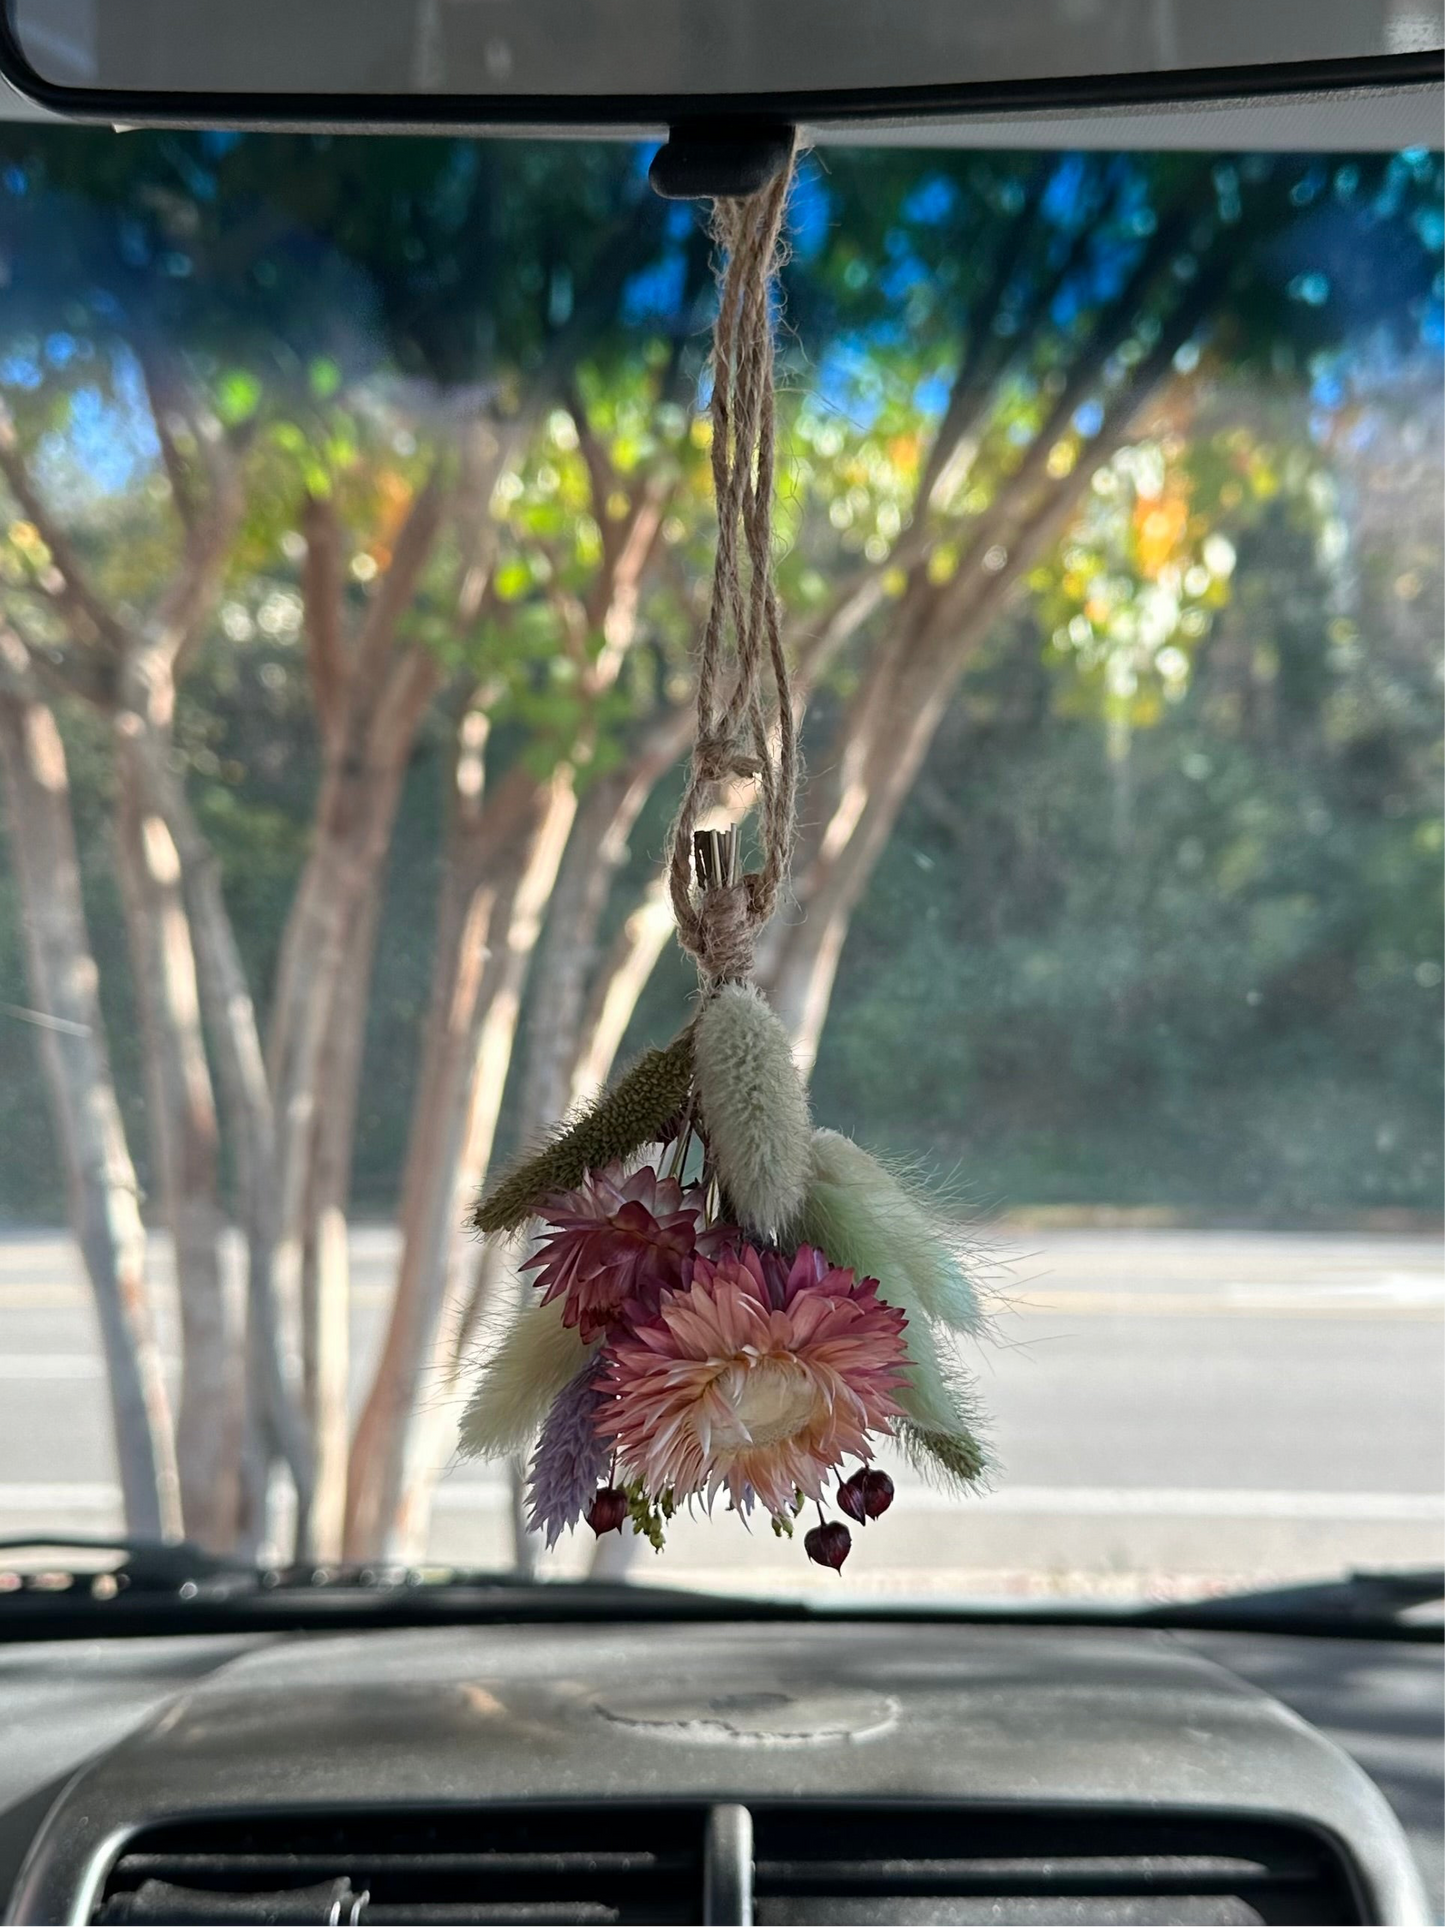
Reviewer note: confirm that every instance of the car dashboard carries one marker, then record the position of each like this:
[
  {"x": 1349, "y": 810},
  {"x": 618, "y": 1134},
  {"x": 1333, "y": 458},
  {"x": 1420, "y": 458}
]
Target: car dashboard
[{"x": 870, "y": 1771}]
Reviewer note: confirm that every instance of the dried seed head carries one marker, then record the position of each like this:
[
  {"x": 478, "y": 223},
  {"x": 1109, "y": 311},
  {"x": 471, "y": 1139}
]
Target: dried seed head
[
  {"x": 852, "y": 1499},
  {"x": 607, "y": 1511},
  {"x": 829, "y": 1545},
  {"x": 877, "y": 1493}
]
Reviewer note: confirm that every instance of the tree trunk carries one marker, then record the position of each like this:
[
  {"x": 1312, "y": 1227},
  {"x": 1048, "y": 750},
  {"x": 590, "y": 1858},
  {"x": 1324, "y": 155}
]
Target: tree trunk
[
  {"x": 181, "y": 1116},
  {"x": 502, "y": 865},
  {"x": 891, "y": 722},
  {"x": 634, "y": 956},
  {"x": 326, "y": 1279},
  {"x": 100, "y": 1178},
  {"x": 361, "y": 789},
  {"x": 567, "y": 953},
  {"x": 270, "y": 1425}
]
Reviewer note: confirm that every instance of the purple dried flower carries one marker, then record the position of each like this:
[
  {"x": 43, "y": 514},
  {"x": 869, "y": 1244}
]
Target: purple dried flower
[{"x": 568, "y": 1463}]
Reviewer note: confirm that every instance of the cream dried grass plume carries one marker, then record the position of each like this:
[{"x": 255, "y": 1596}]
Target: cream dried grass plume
[
  {"x": 537, "y": 1358},
  {"x": 754, "y": 1107}
]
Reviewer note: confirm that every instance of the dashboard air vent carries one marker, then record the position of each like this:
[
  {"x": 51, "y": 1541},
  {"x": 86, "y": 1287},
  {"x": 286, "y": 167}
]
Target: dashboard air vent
[
  {"x": 540, "y": 1866},
  {"x": 883, "y": 1863}
]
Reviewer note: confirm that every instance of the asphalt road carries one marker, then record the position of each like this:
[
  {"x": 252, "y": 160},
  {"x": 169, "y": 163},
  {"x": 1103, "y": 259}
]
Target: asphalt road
[{"x": 1170, "y": 1411}]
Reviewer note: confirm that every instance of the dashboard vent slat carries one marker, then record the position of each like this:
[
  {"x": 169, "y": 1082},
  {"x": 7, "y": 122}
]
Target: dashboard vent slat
[
  {"x": 894, "y": 1864},
  {"x": 545, "y": 1867},
  {"x": 880, "y": 1864}
]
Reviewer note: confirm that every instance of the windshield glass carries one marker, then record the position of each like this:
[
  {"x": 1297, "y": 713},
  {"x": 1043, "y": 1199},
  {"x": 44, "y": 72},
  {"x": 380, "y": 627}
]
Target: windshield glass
[{"x": 357, "y": 533}]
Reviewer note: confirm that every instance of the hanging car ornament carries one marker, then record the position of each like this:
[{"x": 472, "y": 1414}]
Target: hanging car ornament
[{"x": 727, "y": 1301}]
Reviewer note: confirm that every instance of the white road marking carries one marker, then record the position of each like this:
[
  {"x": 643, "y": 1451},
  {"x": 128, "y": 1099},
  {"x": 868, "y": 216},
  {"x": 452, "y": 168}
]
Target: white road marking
[
  {"x": 1108, "y": 1501},
  {"x": 1080, "y": 1501},
  {"x": 50, "y": 1365},
  {"x": 1406, "y": 1288},
  {"x": 1236, "y": 1301},
  {"x": 1193, "y": 1502},
  {"x": 54, "y": 1499}
]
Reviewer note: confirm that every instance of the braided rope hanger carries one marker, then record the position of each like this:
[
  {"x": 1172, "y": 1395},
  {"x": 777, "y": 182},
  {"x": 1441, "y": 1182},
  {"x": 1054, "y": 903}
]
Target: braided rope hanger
[{"x": 745, "y": 729}]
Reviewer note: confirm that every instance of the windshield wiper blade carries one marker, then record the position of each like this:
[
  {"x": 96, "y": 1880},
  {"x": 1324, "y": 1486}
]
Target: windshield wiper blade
[
  {"x": 149, "y": 1565},
  {"x": 232, "y": 1598},
  {"x": 1358, "y": 1600}
]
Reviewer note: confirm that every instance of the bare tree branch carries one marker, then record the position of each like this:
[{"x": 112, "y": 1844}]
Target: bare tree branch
[
  {"x": 393, "y": 594},
  {"x": 322, "y": 598},
  {"x": 71, "y": 592},
  {"x": 179, "y": 625},
  {"x": 166, "y": 405}
]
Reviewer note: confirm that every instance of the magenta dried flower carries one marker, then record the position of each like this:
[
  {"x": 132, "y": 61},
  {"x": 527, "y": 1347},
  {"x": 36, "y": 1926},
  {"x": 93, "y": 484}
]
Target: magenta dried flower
[{"x": 614, "y": 1246}]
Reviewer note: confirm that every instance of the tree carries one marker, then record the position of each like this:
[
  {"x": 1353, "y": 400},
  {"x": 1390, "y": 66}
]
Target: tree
[
  {"x": 292, "y": 1149},
  {"x": 428, "y": 409},
  {"x": 100, "y": 1178}
]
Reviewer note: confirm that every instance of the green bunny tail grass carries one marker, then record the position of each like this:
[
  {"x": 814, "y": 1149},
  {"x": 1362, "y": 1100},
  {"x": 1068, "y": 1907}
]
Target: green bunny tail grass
[
  {"x": 862, "y": 1217},
  {"x": 857, "y": 1212},
  {"x": 933, "y": 1397},
  {"x": 953, "y": 1459},
  {"x": 537, "y": 1357},
  {"x": 636, "y": 1111},
  {"x": 754, "y": 1107}
]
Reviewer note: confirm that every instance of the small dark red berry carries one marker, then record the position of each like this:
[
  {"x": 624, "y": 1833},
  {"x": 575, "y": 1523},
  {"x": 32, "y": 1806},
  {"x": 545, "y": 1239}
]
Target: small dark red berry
[
  {"x": 853, "y": 1498},
  {"x": 877, "y": 1493},
  {"x": 608, "y": 1511},
  {"x": 829, "y": 1545}
]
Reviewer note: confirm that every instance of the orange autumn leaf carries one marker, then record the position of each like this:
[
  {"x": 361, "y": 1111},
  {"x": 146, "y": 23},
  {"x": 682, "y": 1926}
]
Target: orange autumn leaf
[{"x": 1159, "y": 528}]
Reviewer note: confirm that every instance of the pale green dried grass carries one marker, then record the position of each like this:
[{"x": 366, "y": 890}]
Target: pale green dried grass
[
  {"x": 858, "y": 1213},
  {"x": 754, "y": 1107}
]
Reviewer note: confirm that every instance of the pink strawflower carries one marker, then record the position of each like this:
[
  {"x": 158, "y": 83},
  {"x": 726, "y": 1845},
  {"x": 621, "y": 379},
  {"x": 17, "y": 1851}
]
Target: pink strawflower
[
  {"x": 757, "y": 1378},
  {"x": 615, "y": 1246}
]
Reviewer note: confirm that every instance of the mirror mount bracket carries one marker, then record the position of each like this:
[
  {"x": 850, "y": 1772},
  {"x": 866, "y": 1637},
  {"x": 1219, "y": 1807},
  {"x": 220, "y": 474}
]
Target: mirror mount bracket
[{"x": 719, "y": 159}]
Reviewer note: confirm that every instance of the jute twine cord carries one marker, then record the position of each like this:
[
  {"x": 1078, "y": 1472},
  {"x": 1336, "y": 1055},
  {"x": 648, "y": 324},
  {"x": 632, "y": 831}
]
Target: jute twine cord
[{"x": 741, "y": 734}]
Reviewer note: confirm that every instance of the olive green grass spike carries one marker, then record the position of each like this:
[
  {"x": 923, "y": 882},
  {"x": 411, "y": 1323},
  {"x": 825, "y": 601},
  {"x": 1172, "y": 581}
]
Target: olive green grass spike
[
  {"x": 636, "y": 1111},
  {"x": 952, "y": 1459}
]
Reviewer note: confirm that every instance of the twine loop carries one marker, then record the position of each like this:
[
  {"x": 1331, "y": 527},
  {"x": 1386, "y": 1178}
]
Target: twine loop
[{"x": 745, "y": 726}]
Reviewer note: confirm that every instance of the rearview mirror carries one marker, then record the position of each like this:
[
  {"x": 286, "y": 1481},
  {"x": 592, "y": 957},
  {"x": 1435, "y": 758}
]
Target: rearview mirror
[{"x": 646, "y": 64}]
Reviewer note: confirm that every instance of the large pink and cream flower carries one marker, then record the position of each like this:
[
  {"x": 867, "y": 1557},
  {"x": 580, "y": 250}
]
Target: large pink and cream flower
[
  {"x": 614, "y": 1246},
  {"x": 758, "y": 1378}
]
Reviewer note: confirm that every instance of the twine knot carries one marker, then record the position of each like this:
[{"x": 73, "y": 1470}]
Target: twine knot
[
  {"x": 739, "y": 734},
  {"x": 721, "y": 759}
]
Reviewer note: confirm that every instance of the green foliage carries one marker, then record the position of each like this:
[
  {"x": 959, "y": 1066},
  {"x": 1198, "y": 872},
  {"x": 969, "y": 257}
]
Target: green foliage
[
  {"x": 1194, "y": 773},
  {"x": 1196, "y": 964}
]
